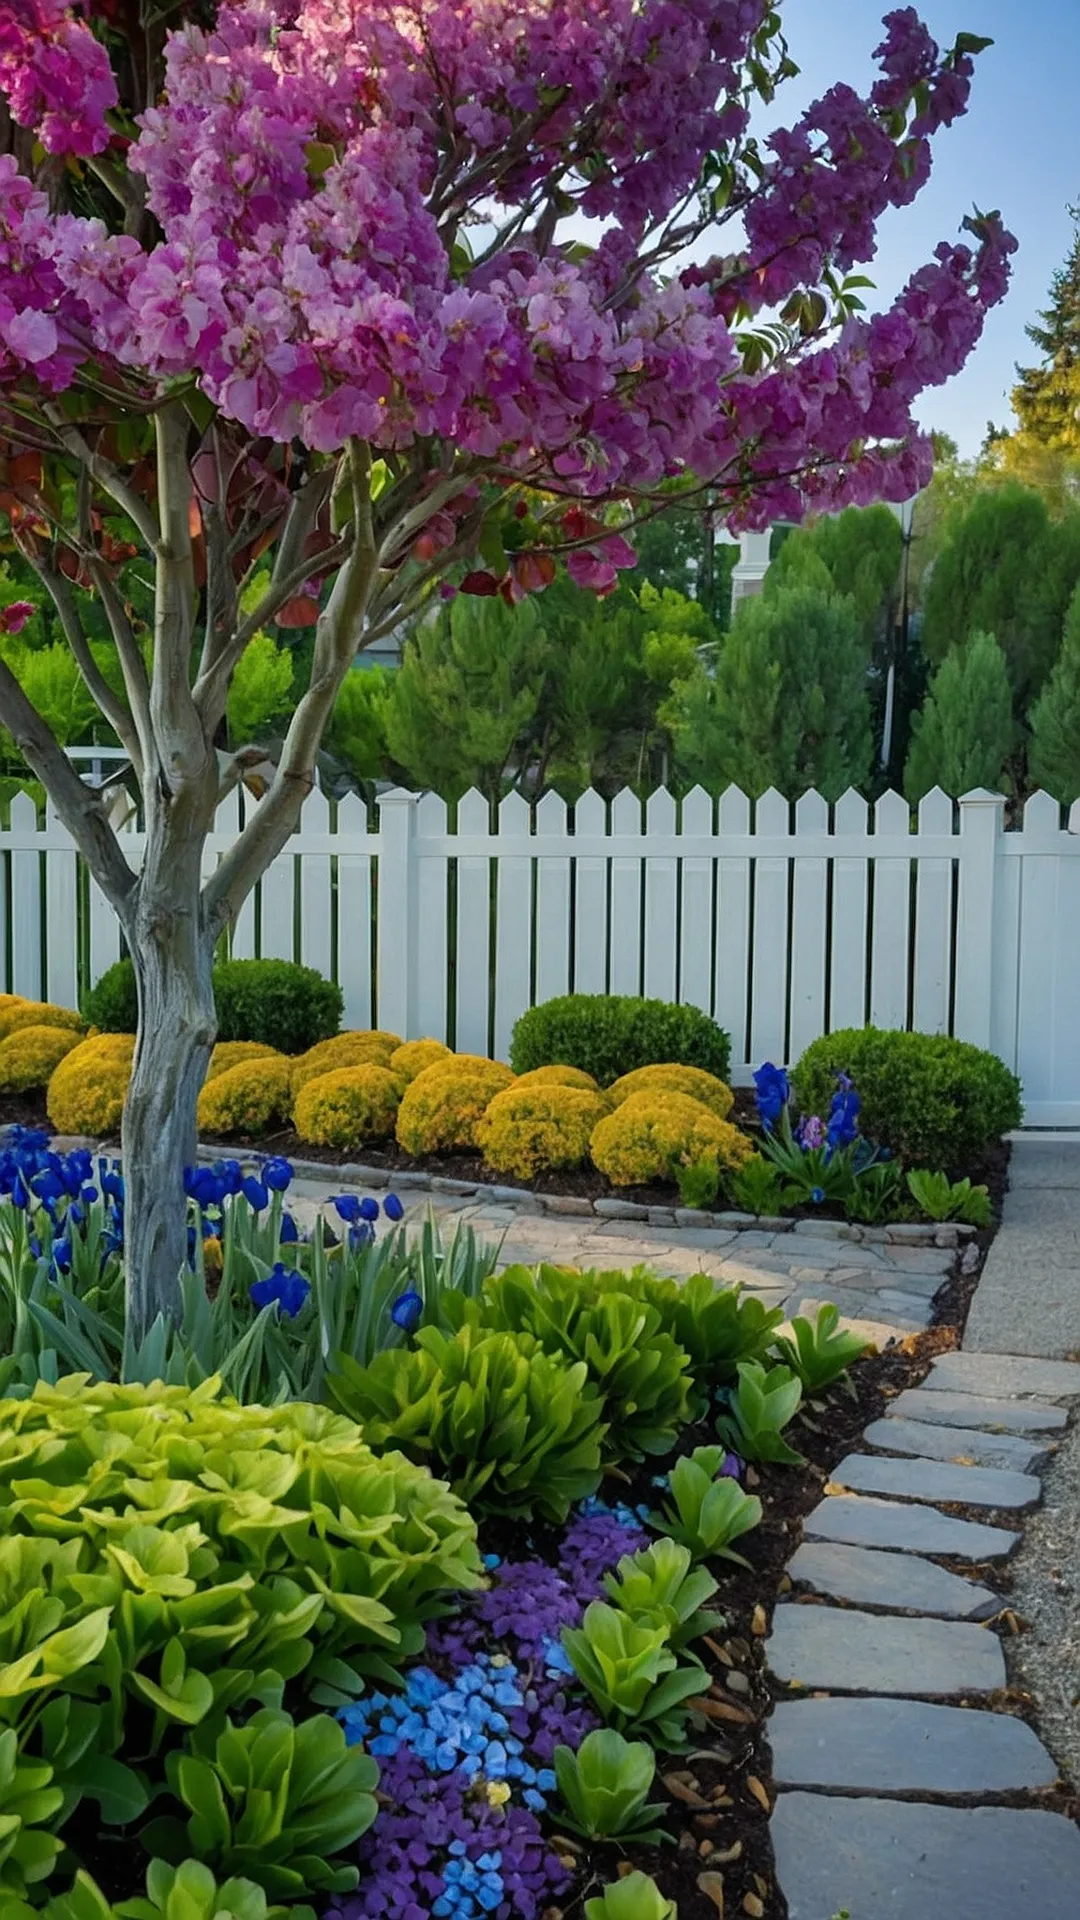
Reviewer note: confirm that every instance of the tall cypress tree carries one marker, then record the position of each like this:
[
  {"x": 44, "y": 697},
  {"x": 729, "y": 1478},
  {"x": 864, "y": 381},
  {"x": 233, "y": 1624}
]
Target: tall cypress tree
[
  {"x": 1047, "y": 398},
  {"x": 1054, "y": 755},
  {"x": 964, "y": 734}
]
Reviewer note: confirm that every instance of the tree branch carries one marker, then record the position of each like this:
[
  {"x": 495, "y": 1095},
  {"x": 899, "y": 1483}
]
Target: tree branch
[
  {"x": 113, "y": 708},
  {"x": 178, "y": 729},
  {"x": 132, "y": 665},
  {"x": 76, "y": 803},
  {"x": 108, "y": 477}
]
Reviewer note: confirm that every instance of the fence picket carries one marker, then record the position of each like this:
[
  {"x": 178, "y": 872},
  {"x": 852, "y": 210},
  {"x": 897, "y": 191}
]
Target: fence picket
[
  {"x": 316, "y": 919},
  {"x": 552, "y": 900},
  {"x": 590, "y": 899},
  {"x": 769, "y": 977},
  {"x": 625, "y": 971},
  {"x": 513, "y": 920},
  {"x": 808, "y": 928},
  {"x": 61, "y": 917},
  {"x": 891, "y": 914},
  {"x": 933, "y": 922},
  {"x": 354, "y": 923},
  {"x": 847, "y": 961},
  {"x": 732, "y": 1005},
  {"x": 430, "y": 957},
  {"x": 695, "y": 918},
  {"x": 25, "y": 898},
  {"x": 473, "y": 930}
]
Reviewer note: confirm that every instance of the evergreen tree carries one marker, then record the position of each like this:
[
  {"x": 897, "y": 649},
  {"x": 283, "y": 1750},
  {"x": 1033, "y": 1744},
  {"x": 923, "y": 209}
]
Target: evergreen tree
[
  {"x": 964, "y": 734},
  {"x": 861, "y": 551},
  {"x": 788, "y": 705},
  {"x": 1007, "y": 570},
  {"x": 1047, "y": 398},
  {"x": 1054, "y": 755}
]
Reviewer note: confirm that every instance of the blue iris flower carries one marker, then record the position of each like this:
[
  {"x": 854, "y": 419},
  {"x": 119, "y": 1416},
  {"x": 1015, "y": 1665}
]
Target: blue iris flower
[
  {"x": 369, "y": 1208},
  {"x": 843, "y": 1124},
  {"x": 407, "y": 1310},
  {"x": 256, "y": 1195},
  {"x": 201, "y": 1185},
  {"x": 230, "y": 1175},
  {"x": 62, "y": 1255},
  {"x": 283, "y": 1286},
  {"x": 290, "y": 1232},
  {"x": 817, "y": 1195},
  {"x": 277, "y": 1173},
  {"x": 347, "y": 1207},
  {"x": 771, "y": 1093},
  {"x": 392, "y": 1207}
]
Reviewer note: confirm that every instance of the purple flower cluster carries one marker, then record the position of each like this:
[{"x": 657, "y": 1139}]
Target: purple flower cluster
[{"x": 441, "y": 1847}]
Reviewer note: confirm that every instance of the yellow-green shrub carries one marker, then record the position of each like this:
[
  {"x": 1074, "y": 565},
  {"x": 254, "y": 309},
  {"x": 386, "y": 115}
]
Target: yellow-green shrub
[
  {"x": 352, "y": 1104},
  {"x": 232, "y": 1053},
  {"x": 86, "y": 1092},
  {"x": 443, "y": 1105},
  {"x": 558, "y": 1077},
  {"x": 356, "y": 1048},
  {"x": 409, "y": 1060},
  {"x": 251, "y": 1098},
  {"x": 30, "y": 1056},
  {"x": 37, "y": 1013},
  {"x": 527, "y": 1130},
  {"x": 672, "y": 1078},
  {"x": 651, "y": 1134}
]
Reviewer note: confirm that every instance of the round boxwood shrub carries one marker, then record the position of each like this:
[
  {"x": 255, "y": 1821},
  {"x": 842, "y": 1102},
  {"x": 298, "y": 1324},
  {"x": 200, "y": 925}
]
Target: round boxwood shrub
[
  {"x": 251, "y": 1098},
  {"x": 231, "y": 1053},
  {"x": 87, "y": 1090},
  {"x": 713, "y": 1093},
  {"x": 531, "y": 1129},
  {"x": 413, "y": 1056},
  {"x": 557, "y": 1077},
  {"x": 112, "y": 1004},
  {"x": 287, "y": 1006},
  {"x": 609, "y": 1034},
  {"x": 37, "y": 1013},
  {"x": 30, "y": 1056},
  {"x": 442, "y": 1107},
  {"x": 651, "y": 1134},
  {"x": 935, "y": 1101},
  {"x": 359, "y": 1048},
  {"x": 341, "y": 1108}
]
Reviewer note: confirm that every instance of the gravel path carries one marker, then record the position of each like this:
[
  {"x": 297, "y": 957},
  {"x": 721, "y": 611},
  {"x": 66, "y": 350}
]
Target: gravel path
[{"x": 1047, "y": 1594}]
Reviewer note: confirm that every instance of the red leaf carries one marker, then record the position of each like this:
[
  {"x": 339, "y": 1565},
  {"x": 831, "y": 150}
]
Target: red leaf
[
  {"x": 533, "y": 571},
  {"x": 300, "y": 611},
  {"x": 482, "y": 584}
]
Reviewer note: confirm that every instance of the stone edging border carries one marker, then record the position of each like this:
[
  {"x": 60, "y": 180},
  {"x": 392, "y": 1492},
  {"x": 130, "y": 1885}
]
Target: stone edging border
[{"x": 524, "y": 1200}]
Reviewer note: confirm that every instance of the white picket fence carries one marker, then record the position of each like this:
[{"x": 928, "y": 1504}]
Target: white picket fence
[{"x": 782, "y": 921}]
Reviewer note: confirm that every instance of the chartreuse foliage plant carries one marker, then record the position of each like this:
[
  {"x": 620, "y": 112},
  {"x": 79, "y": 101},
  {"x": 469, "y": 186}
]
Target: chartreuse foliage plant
[
  {"x": 650, "y": 1135},
  {"x": 717, "y": 1325},
  {"x": 662, "y": 1587},
  {"x": 534, "y": 1129},
  {"x": 667, "y": 1078},
  {"x": 605, "y": 1788},
  {"x": 270, "y": 1801},
  {"x": 515, "y": 1429},
  {"x": 759, "y": 1186},
  {"x": 630, "y": 1650},
  {"x": 186, "y": 1892},
  {"x": 29, "y": 1803},
  {"x": 637, "y": 1897},
  {"x": 943, "y": 1199},
  {"x": 817, "y": 1351},
  {"x": 758, "y": 1410},
  {"x": 708, "y": 1510},
  {"x": 641, "y": 1372}
]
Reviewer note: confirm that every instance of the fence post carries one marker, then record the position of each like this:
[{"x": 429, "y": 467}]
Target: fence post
[
  {"x": 397, "y": 913},
  {"x": 981, "y": 818}
]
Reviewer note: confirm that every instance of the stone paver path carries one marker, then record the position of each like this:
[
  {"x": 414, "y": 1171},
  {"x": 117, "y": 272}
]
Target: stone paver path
[
  {"x": 886, "y": 1747},
  {"x": 883, "y": 1289}
]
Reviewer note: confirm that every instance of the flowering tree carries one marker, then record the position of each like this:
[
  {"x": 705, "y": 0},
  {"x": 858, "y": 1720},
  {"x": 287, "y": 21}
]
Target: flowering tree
[{"x": 297, "y": 289}]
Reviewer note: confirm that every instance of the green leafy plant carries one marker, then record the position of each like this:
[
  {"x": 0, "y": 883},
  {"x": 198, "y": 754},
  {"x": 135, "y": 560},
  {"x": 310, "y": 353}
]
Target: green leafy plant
[
  {"x": 607, "y": 1035},
  {"x": 186, "y": 1892},
  {"x": 698, "y": 1183},
  {"x": 641, "y": 1371},
  {"x": 637, "y": 1897},
  {"x": 817, "y": 1352},
  {"x": 717, "y": 1325},
  {"x": 811, "y": 1175},
  {"x": 29, "y": 1804},
  {"x": 632, "y": 1673},
  {"x": 875, "y": 1193},
  {"x": 660, "y": 1586},
  {"x": 707, "y": 1513},
  {"x": 758, "y": 1410},
  {"x": 941, "y": 1199},
  {"x": 933, "y": 1100},
  {"x": 514, "y": 1428},
  {"x": 605, "y": 1787},
  {"x": 759, "y": 1187},
  {"x": 287, "y": 1006},
  {"x": 112, "y": 1003},
  {"x": 271, "y": 1801}
]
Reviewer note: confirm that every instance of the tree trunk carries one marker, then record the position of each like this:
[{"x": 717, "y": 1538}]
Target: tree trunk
[{"x": 177, "y": 1024}]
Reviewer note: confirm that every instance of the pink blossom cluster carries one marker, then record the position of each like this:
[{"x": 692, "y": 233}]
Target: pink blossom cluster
[
  {"x": 316, "y": 166},
  {"x": 56, "y": 76}
]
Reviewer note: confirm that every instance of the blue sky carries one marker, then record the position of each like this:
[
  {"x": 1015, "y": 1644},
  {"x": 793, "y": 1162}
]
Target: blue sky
[{"x": 1018, "y": 149}]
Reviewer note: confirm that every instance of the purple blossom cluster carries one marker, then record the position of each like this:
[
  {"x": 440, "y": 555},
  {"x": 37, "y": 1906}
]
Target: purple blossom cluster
[
  {"x": 440, "y": 1847},
  {"x": 306, "y": 162}
]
